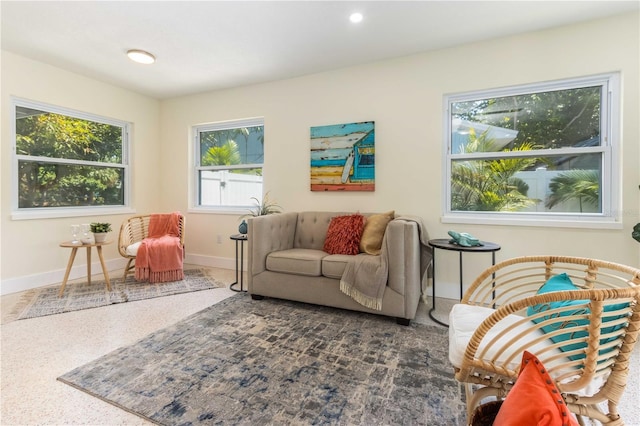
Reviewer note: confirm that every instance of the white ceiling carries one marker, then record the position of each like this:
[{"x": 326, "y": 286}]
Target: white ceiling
[{"x": 209, "y": 45}]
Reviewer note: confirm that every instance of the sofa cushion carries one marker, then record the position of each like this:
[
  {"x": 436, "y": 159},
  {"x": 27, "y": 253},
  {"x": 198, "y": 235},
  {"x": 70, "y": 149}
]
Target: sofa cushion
[
  {"x": 311, "y": 229},
  {"x": 343, "y": 234},
  {"x": 296, "y": 261},
  {"x": 333, "y": 265},
  {"x": 373, "y": 232}
]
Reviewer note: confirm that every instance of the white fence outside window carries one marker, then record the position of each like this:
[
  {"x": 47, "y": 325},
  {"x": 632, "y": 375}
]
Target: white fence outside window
[{"x": 224, "y": 188}]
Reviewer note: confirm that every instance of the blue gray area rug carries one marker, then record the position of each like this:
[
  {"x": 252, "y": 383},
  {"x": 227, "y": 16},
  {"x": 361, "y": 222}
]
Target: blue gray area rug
[
  {"x": 245, "y": 362},
  {"x": 45, "y": 300}
]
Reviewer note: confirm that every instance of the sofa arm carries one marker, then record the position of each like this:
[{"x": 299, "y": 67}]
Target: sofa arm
[
  {"x": 403, "y": 252},
  {"x": 267, "y": 234}
]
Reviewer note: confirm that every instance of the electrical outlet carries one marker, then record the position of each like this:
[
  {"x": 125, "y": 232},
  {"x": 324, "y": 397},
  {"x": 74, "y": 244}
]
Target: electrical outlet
[{"x": 219, "y": 239}]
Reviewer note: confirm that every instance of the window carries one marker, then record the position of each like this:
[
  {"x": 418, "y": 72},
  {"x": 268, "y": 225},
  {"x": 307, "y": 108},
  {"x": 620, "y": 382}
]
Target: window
[
  {"x": 67, "y": 163},
  {"x": 228, "y": 164},
  {"x": 534, "y": 155}
]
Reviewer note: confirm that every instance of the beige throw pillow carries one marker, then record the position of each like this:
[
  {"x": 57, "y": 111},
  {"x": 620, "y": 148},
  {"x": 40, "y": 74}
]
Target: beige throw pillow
[{"x": 374, "y": 227}]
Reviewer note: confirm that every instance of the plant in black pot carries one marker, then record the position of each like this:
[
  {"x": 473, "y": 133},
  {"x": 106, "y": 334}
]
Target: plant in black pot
[
  {"x": 260, "y": 208},
  {"x": 100, "y": 230}
]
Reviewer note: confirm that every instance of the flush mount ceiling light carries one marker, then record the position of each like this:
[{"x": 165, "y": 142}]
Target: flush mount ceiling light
[
  {"x": 355, "y": 17},
  {"x": 141, "y": 57}
]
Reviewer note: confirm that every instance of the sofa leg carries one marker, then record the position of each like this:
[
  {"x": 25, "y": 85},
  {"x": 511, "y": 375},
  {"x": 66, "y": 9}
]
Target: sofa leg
[
  {"x": 256, "y": 297},
  {"x": 403, "y": 321}
]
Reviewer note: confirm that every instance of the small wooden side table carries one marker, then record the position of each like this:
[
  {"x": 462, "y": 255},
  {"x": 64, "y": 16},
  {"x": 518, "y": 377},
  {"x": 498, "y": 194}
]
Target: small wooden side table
[{"x": 74, "y": 249}]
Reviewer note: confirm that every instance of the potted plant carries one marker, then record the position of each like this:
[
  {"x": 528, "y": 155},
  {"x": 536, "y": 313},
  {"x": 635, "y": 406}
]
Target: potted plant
[
  {"x": 99, "y": 231},
  {"x": 260, "y": 209}
]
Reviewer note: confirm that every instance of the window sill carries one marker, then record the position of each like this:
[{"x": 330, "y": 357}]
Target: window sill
[
  {"x": 45, "y": 213},
  {"x": 236, "y": 211},
  {"x": 538, "y": 221}
]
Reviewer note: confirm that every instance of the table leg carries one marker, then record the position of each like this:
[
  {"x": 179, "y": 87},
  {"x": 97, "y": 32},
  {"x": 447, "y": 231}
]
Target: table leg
[
  {"x": 460, "y": 266},
  {"x": 433, "y": 281},
  {"x": 104, "y": 268},
  {"x": 433, "y": 292},
  {"x": 239, "y": 263},
  {"x": 493, "y": 276},
  {"x": 89, "y": 265},
  {"x": 74, "y": 250}
]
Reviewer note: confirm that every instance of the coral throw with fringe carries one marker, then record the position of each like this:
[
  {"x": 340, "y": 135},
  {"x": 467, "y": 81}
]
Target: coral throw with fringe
[{"x": 159, "y": 257}]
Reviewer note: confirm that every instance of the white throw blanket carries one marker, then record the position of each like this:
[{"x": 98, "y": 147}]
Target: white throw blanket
[{"x": 365, "y": 277}]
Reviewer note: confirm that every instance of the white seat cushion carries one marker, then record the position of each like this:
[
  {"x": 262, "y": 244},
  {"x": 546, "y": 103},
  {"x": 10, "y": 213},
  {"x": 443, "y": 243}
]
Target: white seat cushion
[
  {"x": 465, "y": 319},
  {"x": 132, "y": 250}
]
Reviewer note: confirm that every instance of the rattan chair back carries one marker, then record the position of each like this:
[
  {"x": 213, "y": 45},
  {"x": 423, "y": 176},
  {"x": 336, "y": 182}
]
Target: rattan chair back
[
  {"x": 593, "y": 346},
  {"x": 134, "y": 230}
]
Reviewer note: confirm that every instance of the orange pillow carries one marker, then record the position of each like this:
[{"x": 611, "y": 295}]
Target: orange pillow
[
  {"x": 534, "y": 399},
  {"x": 374, "y": 228},
  {"x": 343, "y": 235}
]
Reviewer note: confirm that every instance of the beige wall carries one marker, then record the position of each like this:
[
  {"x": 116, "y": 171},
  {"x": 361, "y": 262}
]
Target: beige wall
[
  {"x": 30, "y": 252},
  {"x": 403, "y": 96}
]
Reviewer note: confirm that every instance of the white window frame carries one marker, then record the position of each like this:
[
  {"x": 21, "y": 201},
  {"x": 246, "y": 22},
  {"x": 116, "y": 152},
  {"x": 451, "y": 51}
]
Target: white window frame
[
  {"x": 18, "y": 213},
  {"x": 610, "y": 217},
  {"x": 197, "y": 168}
]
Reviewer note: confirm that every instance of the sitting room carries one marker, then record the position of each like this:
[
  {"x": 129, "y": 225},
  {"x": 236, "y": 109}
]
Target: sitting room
[{"x": 301, "y": 200}]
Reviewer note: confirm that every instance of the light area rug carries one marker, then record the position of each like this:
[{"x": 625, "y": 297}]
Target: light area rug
[
  {"x": 245, "y": 362},
  {"x": 45, "y": 300}
]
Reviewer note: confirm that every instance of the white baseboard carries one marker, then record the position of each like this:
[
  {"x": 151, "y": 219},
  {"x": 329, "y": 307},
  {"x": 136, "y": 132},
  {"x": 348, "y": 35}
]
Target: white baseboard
[
  {"x": 213, "y": 261},
  {"x": 27, "y": 282}
]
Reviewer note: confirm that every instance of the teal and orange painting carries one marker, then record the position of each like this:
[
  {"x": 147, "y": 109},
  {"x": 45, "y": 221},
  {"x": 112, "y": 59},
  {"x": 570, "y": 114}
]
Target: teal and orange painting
[{"x": 343, "y": 157}]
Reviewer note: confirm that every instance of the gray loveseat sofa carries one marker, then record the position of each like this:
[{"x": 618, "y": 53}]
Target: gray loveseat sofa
[{"x": 287, "y": 261}]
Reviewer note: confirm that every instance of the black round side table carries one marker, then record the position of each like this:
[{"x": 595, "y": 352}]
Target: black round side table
[
  {"x": 239, "y": 239},
  {"x": 444, "y": 244}
]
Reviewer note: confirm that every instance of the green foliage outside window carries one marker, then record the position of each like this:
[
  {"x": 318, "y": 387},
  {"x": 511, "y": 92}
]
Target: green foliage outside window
[
  {"x": 224, "y": 155},
  {"x": 490, "y": 185},
  {"x": 65, "y": 161},
  {"x": 563, "y": 121},
  {"x": 229, "y": 147},
  {"x": 581, "y": 185},
  {"x": 228, "y": 170}
]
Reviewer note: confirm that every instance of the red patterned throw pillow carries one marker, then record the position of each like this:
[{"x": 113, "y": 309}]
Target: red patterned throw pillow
[{"x": 343, "y": 235}]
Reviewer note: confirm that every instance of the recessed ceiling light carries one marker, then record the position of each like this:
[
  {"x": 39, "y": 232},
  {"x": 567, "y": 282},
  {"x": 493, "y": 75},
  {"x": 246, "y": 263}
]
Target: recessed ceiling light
[
  {"x": 141, "y": 57},
  {"x": 355, "y": 17}
]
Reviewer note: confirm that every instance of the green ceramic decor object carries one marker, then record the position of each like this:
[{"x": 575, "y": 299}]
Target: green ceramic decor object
[
  {"x": 463, "y": 239},
  {"x": 242, "y": 228}
]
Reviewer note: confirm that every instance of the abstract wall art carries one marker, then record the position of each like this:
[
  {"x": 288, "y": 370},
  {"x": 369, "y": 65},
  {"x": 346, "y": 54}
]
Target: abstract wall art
[{"x": 343, "y": 157}]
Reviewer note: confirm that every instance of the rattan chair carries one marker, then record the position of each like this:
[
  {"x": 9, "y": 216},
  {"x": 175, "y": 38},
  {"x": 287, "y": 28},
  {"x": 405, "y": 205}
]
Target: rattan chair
[
  {"x": 132, "y": 232},
  {"x": 588, "y": 358}
]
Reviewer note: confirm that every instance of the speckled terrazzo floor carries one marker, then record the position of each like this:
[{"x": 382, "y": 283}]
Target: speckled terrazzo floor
[{"x": 36, "y": 351}]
